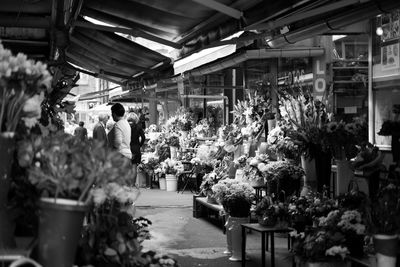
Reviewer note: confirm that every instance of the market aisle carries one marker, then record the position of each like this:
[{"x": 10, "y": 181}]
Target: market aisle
[{"x": 194, "y": 242}]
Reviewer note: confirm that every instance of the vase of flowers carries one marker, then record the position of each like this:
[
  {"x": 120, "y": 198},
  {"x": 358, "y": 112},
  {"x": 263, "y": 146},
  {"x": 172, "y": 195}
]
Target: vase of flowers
[
  {"x": 64, "y": 169},
  {"x": 23, "y": 84},
  {"x": 206, "y": 185},
  {"x": 305, "y": 118},
  {"x": 236, "y": 198},
  {"x": 173, "y": 143},
  {"x": 384, "y": 224}
]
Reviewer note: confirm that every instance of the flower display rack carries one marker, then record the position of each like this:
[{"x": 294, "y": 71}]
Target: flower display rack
[{"x": 213, "y": 212}]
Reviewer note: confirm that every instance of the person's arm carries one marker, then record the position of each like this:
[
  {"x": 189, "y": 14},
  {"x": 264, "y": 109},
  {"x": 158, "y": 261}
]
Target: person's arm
[{"x": 118, "y": 136}]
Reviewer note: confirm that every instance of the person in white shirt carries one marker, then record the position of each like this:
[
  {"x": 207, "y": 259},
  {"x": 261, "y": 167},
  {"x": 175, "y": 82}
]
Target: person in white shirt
[{"x": 122, "y": 131}]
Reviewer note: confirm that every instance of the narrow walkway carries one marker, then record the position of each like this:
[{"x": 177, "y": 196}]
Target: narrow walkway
[{"x": 195, "y": 242}]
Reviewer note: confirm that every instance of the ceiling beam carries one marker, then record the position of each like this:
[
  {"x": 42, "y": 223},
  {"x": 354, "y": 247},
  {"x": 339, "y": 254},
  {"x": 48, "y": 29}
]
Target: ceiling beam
[
  {"x": 25, "y": 42},
  {"x": 132, "y": 32},
  {"x": 25, "y": 21},
  {"x": 53, "y": 20},
  {"x": 227, "y": 10}
]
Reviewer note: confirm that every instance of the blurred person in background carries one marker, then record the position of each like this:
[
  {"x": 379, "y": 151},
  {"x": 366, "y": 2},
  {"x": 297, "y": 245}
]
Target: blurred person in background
[
  {"x": 137, "y": 141},
  {"x": 81, "y": 132},
  {"x": 99, "y": 130}
]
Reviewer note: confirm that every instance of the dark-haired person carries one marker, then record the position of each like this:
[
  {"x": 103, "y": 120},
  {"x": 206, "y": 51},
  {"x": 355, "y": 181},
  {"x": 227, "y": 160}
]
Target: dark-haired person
[
  {"x": 121, "y": 132},
  {"x": 81, "y": 132}
]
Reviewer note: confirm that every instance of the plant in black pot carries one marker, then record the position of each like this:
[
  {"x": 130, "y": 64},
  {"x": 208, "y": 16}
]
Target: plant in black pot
[
  {"x": 384, "y": 224},
  {"x": 64, "y": 169}
]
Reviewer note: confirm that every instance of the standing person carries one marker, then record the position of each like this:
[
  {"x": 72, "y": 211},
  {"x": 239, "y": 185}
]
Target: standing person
[
  {"x": 142, "y": 119},
  {"x": 137, "y": 141},
  {"x": 81, "y": 132},
  {"x": 99, "y": 130},
  {"x": 121, "y": 133}
]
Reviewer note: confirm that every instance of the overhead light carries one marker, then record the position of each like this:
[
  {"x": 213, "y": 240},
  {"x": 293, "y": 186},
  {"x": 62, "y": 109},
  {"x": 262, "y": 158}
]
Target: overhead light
[{"x": 379, "y": 31}]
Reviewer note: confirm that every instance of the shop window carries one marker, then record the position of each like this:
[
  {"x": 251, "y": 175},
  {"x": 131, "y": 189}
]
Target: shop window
[{"x": 350, "y": 77}]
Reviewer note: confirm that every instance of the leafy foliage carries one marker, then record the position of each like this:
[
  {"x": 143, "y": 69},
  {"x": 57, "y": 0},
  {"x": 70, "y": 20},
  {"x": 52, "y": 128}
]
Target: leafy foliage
[{"x": 64, "y": 166}]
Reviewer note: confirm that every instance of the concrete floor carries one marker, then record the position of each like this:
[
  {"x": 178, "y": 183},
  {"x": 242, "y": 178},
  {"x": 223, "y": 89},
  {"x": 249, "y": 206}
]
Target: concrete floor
[{"x": 192, "y": 241}]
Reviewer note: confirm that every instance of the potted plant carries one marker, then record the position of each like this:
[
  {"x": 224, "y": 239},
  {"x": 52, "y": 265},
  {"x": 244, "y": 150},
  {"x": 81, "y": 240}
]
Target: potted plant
[
  {"x": 322, "y": 244},
  {"x": 23, "y": 84},
  {"x": 64, "y": 170},
  {"x": 236, "y": 198},
  {"x": 384, "y": 225},
  {"x": 170, "y": 168},
  {"x": 272, "y": 214}
]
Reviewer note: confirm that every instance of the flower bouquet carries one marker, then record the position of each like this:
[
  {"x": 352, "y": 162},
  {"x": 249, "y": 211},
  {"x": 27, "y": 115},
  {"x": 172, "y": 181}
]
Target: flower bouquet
[
  {"x": 170, "y": 166},
  {"x": 23, "y": 84},
  {"x": 235, "y": 196},
  {"x": 202, "y": 129},
  {"x": 324, "y": 242},
  {"x": 272, "y": 214},
  {"x": 209, "y": 180},
  {"x": 283, "y": 177}
]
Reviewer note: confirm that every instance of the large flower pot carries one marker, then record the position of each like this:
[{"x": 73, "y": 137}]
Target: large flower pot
[
  {"x": 228, "y": 233},
  {"x": 310, "y": 178},
  {"x": 344, "y": 175},
  {"x": 234, "y": 226},
  {"x": 7, "y": 226},
  {"x": 171, "y": 182},
  {"x": 60, "y": 225},
  {"x": 162, "y": 183},
  {"x": 386, "y": 248}
]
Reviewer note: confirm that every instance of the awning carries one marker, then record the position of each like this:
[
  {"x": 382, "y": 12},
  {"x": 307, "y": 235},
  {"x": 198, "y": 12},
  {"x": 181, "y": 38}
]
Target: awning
[{"x": 257, "y": 54}]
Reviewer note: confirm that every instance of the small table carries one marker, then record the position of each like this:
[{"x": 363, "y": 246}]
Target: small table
[{"x": 264, "y": 231}]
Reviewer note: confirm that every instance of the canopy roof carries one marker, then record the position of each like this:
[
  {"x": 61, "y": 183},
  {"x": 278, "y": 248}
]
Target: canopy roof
[{"x": 59, "y": 31}]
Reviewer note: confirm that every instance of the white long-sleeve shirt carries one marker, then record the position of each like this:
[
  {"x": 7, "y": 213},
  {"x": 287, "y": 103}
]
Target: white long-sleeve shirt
[{"x": 122, "y": 139}]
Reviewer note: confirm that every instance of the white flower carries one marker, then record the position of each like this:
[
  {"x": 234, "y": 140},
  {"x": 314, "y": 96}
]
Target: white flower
[
  {"x": 99, "y": 196},
  {"x": 337, "y": 251}
]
